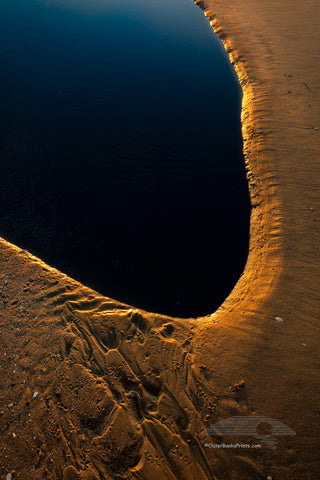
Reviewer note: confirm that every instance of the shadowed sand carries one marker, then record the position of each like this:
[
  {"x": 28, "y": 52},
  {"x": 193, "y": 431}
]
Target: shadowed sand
[{"x": 94, "y": 389}]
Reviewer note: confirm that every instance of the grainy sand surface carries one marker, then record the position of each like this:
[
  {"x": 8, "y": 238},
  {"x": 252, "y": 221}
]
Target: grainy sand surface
[{"x": 94, "y": 389}]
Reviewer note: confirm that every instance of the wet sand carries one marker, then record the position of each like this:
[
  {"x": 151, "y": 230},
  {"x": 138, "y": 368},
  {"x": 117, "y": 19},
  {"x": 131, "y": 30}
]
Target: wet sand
[{"x": 94, "y": 389}]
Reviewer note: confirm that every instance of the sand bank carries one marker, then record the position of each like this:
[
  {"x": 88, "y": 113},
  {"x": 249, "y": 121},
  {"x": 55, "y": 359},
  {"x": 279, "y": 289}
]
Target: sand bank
[{"x": 92, "y": 388}]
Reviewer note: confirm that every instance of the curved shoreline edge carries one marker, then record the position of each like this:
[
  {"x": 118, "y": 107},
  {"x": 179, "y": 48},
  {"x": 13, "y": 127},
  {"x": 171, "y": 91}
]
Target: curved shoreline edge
[{"x": 126, "y": 392}]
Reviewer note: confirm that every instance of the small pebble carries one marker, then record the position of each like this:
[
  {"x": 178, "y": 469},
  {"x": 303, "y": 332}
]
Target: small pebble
[
  {"x": 9, "y": 476},
  {"x": 5, "y": 282},
  {"x": 279, "y": 319},
  {"x": 14, "y": 435},
  {"x": 35, "y": 394}
]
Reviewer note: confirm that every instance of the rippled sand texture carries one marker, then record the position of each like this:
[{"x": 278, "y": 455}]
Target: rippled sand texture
[{"x": 94, "y": 389}]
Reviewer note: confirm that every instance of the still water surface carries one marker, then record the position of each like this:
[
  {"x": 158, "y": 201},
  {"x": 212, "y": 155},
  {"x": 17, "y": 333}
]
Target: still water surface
[{"x": 121, "y": 150}]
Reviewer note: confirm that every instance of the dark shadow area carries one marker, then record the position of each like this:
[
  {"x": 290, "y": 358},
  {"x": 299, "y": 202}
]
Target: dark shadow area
[{"x": 121, "y": 153}]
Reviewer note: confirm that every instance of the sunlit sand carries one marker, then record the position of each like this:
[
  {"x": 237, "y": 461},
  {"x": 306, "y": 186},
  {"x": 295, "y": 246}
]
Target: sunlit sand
[{"x": 94, "y": 389}]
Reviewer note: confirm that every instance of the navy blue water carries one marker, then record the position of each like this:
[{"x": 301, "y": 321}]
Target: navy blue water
[{"x": 121, "y": 150}]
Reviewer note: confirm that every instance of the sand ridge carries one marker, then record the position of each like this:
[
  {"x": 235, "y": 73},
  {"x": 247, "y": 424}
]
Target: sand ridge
[{"x": 95, "y": 389}]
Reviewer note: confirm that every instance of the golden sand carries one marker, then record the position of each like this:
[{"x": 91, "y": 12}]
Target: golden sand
[{"x": 94, "y": 389}]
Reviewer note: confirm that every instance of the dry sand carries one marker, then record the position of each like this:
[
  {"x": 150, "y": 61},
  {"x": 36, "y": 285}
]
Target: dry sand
[{"x": 93, "y": 389}]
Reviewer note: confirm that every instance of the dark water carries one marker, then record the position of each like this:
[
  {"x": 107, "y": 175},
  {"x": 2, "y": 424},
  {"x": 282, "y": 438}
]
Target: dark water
[{"x": 121, "y": 153}]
